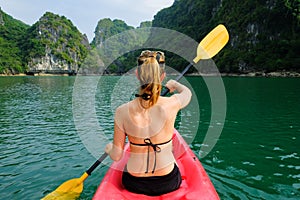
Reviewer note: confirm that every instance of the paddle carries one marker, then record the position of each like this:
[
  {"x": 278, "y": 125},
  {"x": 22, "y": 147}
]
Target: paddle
[
  {"x": 213, "y": 42},
  {"x": 73, "y": 188},
  {"x": 207, "y": 48}
]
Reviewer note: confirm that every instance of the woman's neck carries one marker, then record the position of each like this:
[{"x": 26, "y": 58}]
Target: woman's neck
[{"x": 143, "y": 104}]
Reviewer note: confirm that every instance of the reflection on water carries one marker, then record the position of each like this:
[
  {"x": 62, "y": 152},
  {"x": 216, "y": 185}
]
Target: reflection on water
[{"x": 256, "y": 157}]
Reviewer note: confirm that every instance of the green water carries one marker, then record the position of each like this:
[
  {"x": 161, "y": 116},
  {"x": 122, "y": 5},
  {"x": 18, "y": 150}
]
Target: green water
[{"x": 257, "y": 155}]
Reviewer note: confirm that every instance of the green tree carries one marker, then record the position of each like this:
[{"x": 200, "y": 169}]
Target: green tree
[
  {"x": 264, "y": 35},
  {"x": 11, "y": 31}
]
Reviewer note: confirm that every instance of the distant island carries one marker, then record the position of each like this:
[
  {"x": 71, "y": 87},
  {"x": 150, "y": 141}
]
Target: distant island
[{"x": 264, "y": 39}]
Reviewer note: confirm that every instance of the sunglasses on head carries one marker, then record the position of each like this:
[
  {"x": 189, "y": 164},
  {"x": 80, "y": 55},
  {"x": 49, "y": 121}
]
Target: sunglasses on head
[{"x": 159, "y": 56}]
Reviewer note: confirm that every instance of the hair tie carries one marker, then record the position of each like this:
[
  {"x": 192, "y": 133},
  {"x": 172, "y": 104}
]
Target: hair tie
[{"x": 144, "y": 96}]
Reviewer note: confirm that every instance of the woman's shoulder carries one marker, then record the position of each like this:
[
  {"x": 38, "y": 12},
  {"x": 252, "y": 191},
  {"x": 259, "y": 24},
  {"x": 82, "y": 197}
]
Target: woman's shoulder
[
  {"x": 165, "y": 98},
  {"x": 122, "y": 108},
  {"x": 170, "y": 102}
]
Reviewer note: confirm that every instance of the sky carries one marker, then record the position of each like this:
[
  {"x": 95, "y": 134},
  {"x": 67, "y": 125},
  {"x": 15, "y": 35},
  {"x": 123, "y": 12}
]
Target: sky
[{"x": 85, "y": 14}]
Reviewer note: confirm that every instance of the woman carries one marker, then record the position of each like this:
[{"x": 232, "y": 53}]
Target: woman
[{"x": 148, "y": 122}]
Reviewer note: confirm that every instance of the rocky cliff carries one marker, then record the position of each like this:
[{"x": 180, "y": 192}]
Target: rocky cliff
[
  {"x": 264, "y": 35},
  {"x": 54, "y": 45},
  {"x": 113, "y": 38}
]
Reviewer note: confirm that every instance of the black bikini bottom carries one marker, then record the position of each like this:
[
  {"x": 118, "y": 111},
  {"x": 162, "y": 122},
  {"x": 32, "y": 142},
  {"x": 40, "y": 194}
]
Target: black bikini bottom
[{"x": 153, "y": 185}]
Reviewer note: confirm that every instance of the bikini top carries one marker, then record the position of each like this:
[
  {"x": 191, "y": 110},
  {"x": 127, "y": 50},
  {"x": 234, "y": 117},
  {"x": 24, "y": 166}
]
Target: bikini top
[{"x": 156, "y": 149}]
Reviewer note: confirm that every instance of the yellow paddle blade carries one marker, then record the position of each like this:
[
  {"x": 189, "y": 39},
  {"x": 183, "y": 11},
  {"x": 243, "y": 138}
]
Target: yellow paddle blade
[
  {"x": 69, "y": 190},
  {"x": 212, "y": 43}
]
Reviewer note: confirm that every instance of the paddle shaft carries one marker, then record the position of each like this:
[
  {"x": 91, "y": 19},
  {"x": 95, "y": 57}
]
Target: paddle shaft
[
  {"x": 98, "y": 162},
  {"x": 166, "y": 90}
]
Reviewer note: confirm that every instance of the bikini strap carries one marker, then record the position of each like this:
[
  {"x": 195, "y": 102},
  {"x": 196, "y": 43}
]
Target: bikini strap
[{"x": 156, "y": 149}]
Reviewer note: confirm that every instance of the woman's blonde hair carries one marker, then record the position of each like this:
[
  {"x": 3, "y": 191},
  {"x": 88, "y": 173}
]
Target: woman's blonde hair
[{"x": 149, "y": 71}]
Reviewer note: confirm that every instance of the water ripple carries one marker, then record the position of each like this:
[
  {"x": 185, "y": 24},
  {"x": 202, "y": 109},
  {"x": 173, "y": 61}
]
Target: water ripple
[{"x": 256, "y": 156}]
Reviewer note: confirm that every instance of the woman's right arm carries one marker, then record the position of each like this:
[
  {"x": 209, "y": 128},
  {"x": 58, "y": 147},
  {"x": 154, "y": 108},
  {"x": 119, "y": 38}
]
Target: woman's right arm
[
  {"x": 184, "y": 94},
  {"x": 115, "y": 149}
]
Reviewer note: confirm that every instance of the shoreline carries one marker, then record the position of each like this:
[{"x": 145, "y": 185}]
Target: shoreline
[
  {"x": 40, "y": 74},
  {"x": 269, "y": 74},
  {"x": 287, "y": 74},
  {"x": 291, "y": 74}
]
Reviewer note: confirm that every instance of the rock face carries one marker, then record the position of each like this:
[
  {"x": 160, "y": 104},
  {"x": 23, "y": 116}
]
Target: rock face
[
  {"x": 112, "y": 39},
  {"x": 51, "y": 64},
  {"x": 107, "y": 28},
  {"x": 54, "y": 45},
  {"x": 264, "y": 35}
]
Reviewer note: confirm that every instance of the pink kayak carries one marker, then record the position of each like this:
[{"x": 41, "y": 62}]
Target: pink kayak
[{"x": 195, "y": 181}]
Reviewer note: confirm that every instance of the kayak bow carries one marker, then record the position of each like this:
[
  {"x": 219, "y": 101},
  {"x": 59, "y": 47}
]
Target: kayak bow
[{"x": 196, "y": 184}]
